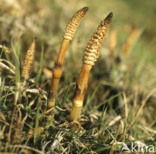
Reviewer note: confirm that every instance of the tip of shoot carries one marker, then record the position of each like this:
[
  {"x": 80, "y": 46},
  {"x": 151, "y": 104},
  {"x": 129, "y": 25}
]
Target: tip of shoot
[{"x": 85, "y": 9}]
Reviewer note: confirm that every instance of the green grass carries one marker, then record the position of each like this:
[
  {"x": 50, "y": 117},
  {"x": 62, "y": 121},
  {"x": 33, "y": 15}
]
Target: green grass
[{"x": 22, "y": 111}]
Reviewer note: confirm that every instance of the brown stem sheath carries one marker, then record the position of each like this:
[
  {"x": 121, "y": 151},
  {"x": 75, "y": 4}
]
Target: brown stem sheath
[{"x": 82, "y": 84}]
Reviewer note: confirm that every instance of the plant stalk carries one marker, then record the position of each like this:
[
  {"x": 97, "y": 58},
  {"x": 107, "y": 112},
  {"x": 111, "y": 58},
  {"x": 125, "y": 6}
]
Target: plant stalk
[
  {"x": 91, "y": 55},
  {"x": 57, "y": 71}
]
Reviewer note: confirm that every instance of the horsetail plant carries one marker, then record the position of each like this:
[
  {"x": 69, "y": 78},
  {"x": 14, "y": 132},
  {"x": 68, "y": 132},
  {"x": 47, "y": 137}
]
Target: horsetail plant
[
  {"x": 130, "y": 41},
  {"x": 28, "y": 62},
  {"x": 57, "y": 71},
  {"x": 91, "y": 55}
]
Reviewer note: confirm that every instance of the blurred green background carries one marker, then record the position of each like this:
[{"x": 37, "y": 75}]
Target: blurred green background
[
  {"x": 21, "y": 21},
  {"x": 47, "y": 19}
]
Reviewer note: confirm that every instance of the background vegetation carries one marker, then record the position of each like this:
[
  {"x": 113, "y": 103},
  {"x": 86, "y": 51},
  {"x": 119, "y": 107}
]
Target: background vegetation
[{"x": 120, "y": 105}]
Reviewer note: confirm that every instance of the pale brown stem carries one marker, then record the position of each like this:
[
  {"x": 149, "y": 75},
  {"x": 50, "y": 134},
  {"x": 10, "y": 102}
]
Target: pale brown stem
[
  {"x": 82, "y": 84},
  {"x": 57, "y": 72},
  {"x": 62, "y": 52}
]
